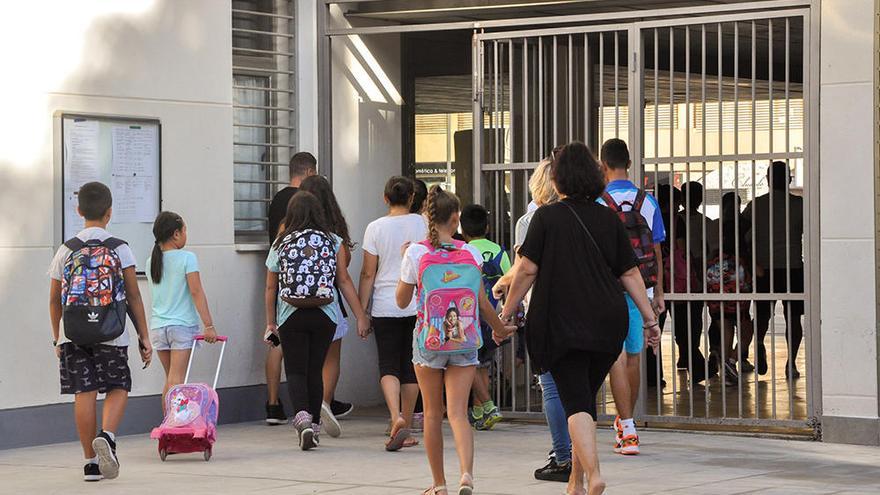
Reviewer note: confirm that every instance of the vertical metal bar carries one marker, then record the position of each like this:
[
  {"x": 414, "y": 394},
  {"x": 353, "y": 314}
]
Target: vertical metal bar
[
  {"x": 477, "y": 116},
  {"x": 736, "y": 213},
  {"x": 771, "y": 215},
  {"x": 672, "y": 315},
  {"x": 601, "y": 88},
  {"x": 570, "y": 106},
  {"x": 496, "y": 121},
  {"x": 511, "y": 138},
  {"x": 720, "y": 210},
  {"x": 525, "y": 105},
  {"x": 706, "y": 345},
  {"x": 541, "y": 149},
  {"x": 755, "y": 339},
  {"x": 687, "y": 147},
  {"x": 788, "y": 322},
  {"x": 588, "y": 97},
  {"x": 513, "y": 345},
  {"x": 555, "y": 92},
  {"x": 616, "y": 84},
  {"x": 659, "y": 353}
]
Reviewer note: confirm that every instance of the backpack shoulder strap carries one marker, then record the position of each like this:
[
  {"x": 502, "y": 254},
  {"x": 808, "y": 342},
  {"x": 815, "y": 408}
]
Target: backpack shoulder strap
[
  {"x": 609, "y": 201},
  {"x": 641, "y": 195},
  {"x": 113, "y": 243},
  {"x": 74, "y": 244}
]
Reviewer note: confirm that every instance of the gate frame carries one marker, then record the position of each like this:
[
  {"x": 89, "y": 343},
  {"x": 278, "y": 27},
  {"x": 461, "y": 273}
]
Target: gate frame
[
  {"x": 808, "y": 11},
  {"x": 326, "y": 33}
]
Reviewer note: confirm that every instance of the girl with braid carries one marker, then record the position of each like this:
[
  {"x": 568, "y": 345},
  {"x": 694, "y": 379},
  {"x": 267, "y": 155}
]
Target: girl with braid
[{"x": 436, "y": 371}]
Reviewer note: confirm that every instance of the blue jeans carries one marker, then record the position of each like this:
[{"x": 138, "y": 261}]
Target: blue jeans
[{"x": 556, "y": 419}]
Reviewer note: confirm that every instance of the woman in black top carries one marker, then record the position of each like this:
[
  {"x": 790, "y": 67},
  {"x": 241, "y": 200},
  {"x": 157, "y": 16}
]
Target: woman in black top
[{"x": 579, "y": 258}]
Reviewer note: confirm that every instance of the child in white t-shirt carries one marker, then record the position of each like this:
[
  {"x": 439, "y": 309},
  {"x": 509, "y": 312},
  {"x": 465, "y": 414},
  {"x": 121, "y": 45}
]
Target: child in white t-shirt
[{"x": 393, "y": 326}]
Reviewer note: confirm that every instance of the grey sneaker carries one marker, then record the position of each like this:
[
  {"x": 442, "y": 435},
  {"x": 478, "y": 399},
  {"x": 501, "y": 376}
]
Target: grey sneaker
[
  {"x": 302, "y": 422},
  {"x": 105, "y": 449}
]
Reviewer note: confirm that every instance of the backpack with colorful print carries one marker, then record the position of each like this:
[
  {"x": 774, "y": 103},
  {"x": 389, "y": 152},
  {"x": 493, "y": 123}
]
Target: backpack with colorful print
[
  {"x": 640, "y": 235},
  {"x": 93, "y": 291},
  {"x": 448, "y": 304},
  {"x": 308, "y": 269}
]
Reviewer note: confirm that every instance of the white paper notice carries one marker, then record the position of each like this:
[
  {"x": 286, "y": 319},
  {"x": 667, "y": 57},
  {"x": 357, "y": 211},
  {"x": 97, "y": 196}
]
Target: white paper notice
[
  {"x": 133, "y": 171},
  {"x": 81, "y": 166},
  {"x": 81, "y": 147},
  {"x": 134, "y": 199},
  {"x": 134, "y": 150}
]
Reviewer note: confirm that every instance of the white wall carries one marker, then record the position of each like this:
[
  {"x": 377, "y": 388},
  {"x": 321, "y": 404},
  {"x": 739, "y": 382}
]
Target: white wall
[
  {"x": 163, "y": 59},
  {"x": 846, "y": 170},
  {"x": 366, "y": 152}
]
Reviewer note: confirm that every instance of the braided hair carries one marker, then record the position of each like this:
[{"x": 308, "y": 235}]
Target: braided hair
[{"x": 441, "y": 205}]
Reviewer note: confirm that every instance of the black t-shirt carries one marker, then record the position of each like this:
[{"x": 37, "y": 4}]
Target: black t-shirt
[
  {"x": 577, "y": 301},
  {"x": 278, "y": 209}
]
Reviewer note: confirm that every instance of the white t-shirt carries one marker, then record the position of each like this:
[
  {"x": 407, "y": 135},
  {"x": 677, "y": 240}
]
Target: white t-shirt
[
  {"x": 56, "y": 272},
  {"x": 409, "y": 268},
  {"x": 384, "y": 238}
]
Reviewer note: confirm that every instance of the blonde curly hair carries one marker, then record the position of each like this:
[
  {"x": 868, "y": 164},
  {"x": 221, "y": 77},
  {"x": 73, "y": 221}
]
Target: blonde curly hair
[{"x": 541, "y": 184}]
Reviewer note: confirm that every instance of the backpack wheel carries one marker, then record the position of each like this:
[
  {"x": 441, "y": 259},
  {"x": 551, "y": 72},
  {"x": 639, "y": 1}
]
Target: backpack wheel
[
  {"x": 207, "y": 454},
  {"x": 163, "y": 454}
]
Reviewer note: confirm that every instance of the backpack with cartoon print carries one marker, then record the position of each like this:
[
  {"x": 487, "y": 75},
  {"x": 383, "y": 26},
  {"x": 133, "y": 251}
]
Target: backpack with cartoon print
[
  {"x": 308, "y": 269},
  {"x": 93, "y": 291},
  {"x": 449, "y": 295}
]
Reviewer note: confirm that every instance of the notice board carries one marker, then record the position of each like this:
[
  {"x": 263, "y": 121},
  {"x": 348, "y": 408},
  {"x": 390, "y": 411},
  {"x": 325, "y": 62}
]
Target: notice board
[{"x": 126, "y": 155}]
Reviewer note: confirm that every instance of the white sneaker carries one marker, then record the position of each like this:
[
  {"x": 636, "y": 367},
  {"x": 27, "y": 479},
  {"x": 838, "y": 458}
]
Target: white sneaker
[{"x": 329, "y": 421}]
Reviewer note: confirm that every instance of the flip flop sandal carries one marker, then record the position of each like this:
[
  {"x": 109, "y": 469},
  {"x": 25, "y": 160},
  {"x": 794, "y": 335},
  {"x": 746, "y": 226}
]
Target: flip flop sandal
[
  {"x": 434, "y": 489},
  {"x": 396, "y": 442},
  {"x": 410, "y": 442}
]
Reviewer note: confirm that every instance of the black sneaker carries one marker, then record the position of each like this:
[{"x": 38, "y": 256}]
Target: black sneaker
[
  {"x": 275, "y": 414},
  {"x": 105, "y": 449},
  {"x": 731, "y": 377},
  {"x": 91, "y": 472},
  {"x": 341, "y": 409},
  {"x": 554, "y": 472}
]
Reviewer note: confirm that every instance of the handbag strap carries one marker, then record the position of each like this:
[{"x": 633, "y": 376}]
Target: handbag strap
[{"x": 584, "y": 227}]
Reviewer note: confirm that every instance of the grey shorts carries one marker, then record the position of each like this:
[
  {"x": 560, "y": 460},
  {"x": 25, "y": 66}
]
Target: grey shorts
[
  {"x": 439, "y": 361},
  {"x": 173, "y": 337}
]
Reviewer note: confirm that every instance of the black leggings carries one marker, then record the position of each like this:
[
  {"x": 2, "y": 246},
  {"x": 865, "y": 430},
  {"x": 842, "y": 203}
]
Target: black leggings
[
  {"x": 394, "y": 341},
  {"x": 579, "y": 376},
  {"x": 305, "y": 339}
]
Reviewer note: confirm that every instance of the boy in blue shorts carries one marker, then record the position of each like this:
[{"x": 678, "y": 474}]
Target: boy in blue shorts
[
  {"x": 641, "y": 215},
  {"x": 474, "y": 226},
  {"x": 92, "y": 344}
]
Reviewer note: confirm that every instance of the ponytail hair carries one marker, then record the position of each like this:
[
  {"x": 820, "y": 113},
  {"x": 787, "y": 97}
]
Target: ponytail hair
[
  {"x": 440, "y": 208},
  {"x": 399, "y": 191},
  {"x": 166, "y": 224}
]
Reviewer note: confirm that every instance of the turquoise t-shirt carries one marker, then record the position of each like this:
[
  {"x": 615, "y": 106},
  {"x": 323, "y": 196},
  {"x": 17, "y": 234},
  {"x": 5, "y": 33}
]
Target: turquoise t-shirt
[
  {"x": 172, "y": 302},
  {"x": 283, "y": 309}
]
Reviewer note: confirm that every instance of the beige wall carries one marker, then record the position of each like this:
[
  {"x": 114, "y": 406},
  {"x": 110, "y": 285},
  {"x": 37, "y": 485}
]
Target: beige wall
[{"x": 846, "y": 170}]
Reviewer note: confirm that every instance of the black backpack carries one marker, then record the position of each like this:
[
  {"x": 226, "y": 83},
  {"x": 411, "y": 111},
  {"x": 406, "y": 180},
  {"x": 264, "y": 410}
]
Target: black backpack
[
  {"x": 93, "y": 291},
  {"x": 308, "y": 269}
]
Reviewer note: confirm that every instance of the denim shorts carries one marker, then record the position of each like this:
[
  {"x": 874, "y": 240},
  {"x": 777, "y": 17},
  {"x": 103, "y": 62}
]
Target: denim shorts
[
  {"x": 635, "y": 337},
  {"x": 440, "y": 361},
  {"x": 173, "y": 337}
]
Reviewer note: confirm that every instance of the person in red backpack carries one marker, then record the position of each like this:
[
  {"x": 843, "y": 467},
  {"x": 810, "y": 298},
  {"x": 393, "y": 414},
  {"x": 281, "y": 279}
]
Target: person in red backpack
[
  {"x": 93, "y": 360},
  {"x": 643, "y": 220}
]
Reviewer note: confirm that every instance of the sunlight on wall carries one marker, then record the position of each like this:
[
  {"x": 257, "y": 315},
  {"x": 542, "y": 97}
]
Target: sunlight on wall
[
  {"x": 38, "y": 62},
  {"x": 373, "y": 65}
]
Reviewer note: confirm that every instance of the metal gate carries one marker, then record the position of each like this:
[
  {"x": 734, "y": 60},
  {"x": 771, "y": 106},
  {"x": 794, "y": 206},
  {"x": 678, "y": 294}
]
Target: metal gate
[{"x": 706, "y": 105}]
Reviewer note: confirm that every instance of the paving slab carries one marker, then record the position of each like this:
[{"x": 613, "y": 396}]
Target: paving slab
[{"x": 254, "y": 458}]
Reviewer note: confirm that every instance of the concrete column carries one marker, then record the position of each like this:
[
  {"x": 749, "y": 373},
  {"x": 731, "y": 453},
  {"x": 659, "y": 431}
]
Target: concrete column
[{"x": 846, "y": 177}]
